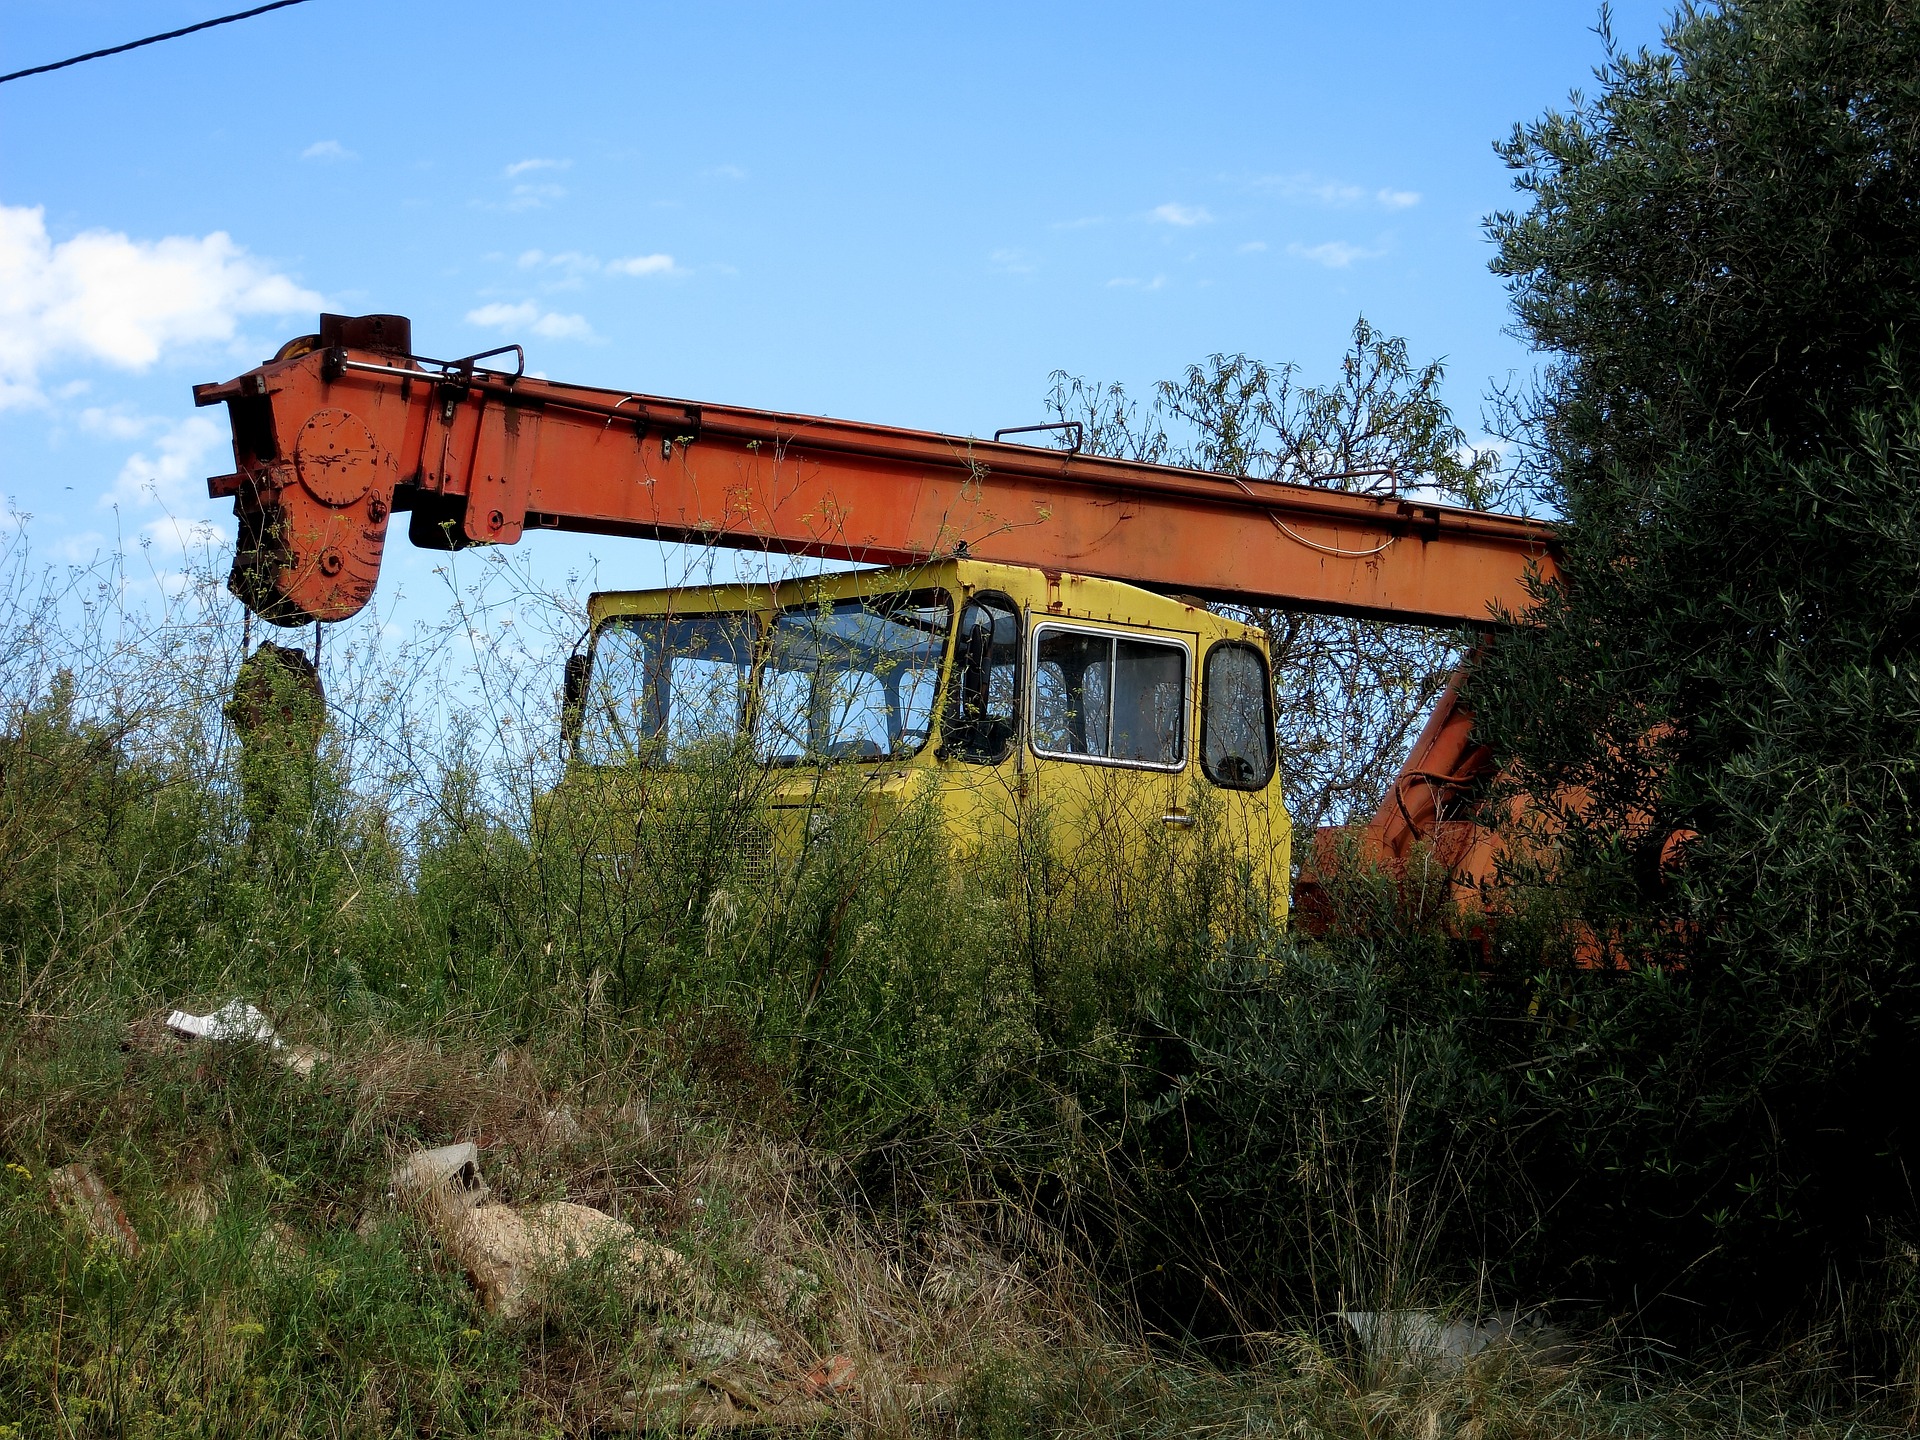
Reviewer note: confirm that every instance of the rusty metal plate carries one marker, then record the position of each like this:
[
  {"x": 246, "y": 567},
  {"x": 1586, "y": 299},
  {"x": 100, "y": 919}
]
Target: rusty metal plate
[{"x": 336, "y": 457}]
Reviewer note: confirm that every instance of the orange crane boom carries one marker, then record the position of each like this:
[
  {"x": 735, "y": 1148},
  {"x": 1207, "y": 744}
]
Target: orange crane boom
[
  {"x": 346, "y": 427},
  {"x": 343, "y": 429}
]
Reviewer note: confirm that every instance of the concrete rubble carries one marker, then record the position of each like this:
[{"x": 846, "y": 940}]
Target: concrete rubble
[
  {"x": 731, "y": 1373},
  {"x": 278, "y": 1247},
  {"x": 82, "y": 1197},
  {"x": 702, "y": 1344},
  {"x": 508, "y": 1251},
  {"x": 794, "y": 1290},
  {"x": 193, "y": 1206},
  {"x": 449, "y": 1175}
]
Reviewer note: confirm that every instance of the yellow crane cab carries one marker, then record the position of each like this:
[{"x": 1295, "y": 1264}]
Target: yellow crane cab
[{"x": 1116, "y": 726}]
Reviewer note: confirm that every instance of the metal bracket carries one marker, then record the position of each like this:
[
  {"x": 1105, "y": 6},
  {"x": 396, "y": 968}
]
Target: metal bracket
[
  {"x": 670, "y": 437},
  {"x": 467, "y": 363},
  {"x": 1079, "y": 432}
]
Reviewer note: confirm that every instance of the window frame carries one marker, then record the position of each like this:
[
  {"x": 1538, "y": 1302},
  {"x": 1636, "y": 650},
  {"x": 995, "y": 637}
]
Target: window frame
[
  {"x": 1266, "y": 691},
  {"x": 950, "y": 697},
  {"x": 770, "y": 624},
  {"x": 1041, "y": 628},
  {"x": 749, "y": 698}
]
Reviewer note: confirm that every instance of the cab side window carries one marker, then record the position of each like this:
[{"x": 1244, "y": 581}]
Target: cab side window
[
  {"x": 1111, "y": 698},
  {"x": 983, "y": 696},
  {"x": 1236, "y": 718}
]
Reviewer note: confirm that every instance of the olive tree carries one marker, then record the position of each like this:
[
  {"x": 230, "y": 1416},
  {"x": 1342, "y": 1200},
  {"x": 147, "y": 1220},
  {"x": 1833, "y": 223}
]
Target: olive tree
[{"x": 1719, "y": 261}]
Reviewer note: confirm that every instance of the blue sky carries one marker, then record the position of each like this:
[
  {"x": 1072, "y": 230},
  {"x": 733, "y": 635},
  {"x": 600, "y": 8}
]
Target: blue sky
[{"x": 909, "y": 214}]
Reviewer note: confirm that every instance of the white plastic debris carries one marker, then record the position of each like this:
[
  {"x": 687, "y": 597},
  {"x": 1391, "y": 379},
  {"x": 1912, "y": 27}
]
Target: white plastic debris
[
  {"x": 1421, "y": 1335},
  {"x": 237, "y": 1020}
]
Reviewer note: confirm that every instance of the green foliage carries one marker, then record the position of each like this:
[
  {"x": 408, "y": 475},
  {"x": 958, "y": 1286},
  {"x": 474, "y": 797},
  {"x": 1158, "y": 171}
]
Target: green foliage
[
  {"x": 1331, "y": 1137},
  {"x": 1113, "y": 1064},
  {"x": 1722, "y": 258}
]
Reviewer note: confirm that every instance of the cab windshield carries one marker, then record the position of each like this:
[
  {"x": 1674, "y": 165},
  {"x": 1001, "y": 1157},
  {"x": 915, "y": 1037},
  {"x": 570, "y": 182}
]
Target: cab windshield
[
  {"x": 664, "y": 686},
  {"x": 839, "y": 680}
]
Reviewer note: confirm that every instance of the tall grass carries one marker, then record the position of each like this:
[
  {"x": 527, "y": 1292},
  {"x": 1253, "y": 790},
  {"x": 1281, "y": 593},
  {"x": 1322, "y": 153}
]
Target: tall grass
[{"x": 1052, "y": 1157}]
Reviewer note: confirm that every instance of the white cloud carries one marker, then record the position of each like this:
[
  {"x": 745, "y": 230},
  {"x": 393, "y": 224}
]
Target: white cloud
[
  {"x": 527, "y": 316},
  {"x": 656, "y": 264},
  {"x": 1173, "y": 213},
  {"x": 540, "y": 259},
  {"x": 114, "y": 424},
  {"x": 175, "y": 536},
  {"x": 1013, "y": 262},
  {"x": 1336, "y": 194},
  {"x": 1083, "y": 223},
  {"x": 1328, "y": 192},
  {"x": 727, "y": 172},
  {"x": 1334, "y": 254},
  {"x": 1250, "y": 247},
  {"x": 534, "y": 197},
  {"x": 570, "y": 262},
  {"x": 575, "y": 264},
  {"x": 80, "y": 547},
  {"x": 169, "y": 471},
  {"x": 327, "y": 150},
  {"x": 527, "y": 167},
  {"x": 1311, "y": 188},
  {"x": 105, "y": 298},
  {"x": 1500, "y": 449},
  {"x": 1133, "y": 282}
]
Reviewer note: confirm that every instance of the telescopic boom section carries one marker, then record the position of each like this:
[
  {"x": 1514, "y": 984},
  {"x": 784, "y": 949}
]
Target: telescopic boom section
[{"x": 343, "y": 429}]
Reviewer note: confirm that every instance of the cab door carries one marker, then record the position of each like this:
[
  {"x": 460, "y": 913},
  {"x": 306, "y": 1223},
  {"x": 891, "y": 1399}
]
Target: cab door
[
  {"x": 982, "y": 767},
  {"x": 1236, "y": 768},
  {"x": 1108, "y": 736}
]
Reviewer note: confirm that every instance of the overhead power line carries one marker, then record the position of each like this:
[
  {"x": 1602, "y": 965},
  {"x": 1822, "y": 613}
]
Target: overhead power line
[{"x": 150, "y": 40}]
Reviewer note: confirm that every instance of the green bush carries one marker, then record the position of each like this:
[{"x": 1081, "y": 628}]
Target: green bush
[{"x": 1722, "y": 260}]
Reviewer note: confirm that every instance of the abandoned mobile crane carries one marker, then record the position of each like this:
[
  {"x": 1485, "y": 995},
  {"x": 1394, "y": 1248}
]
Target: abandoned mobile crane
[{"x": 1084, "y": 669}]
